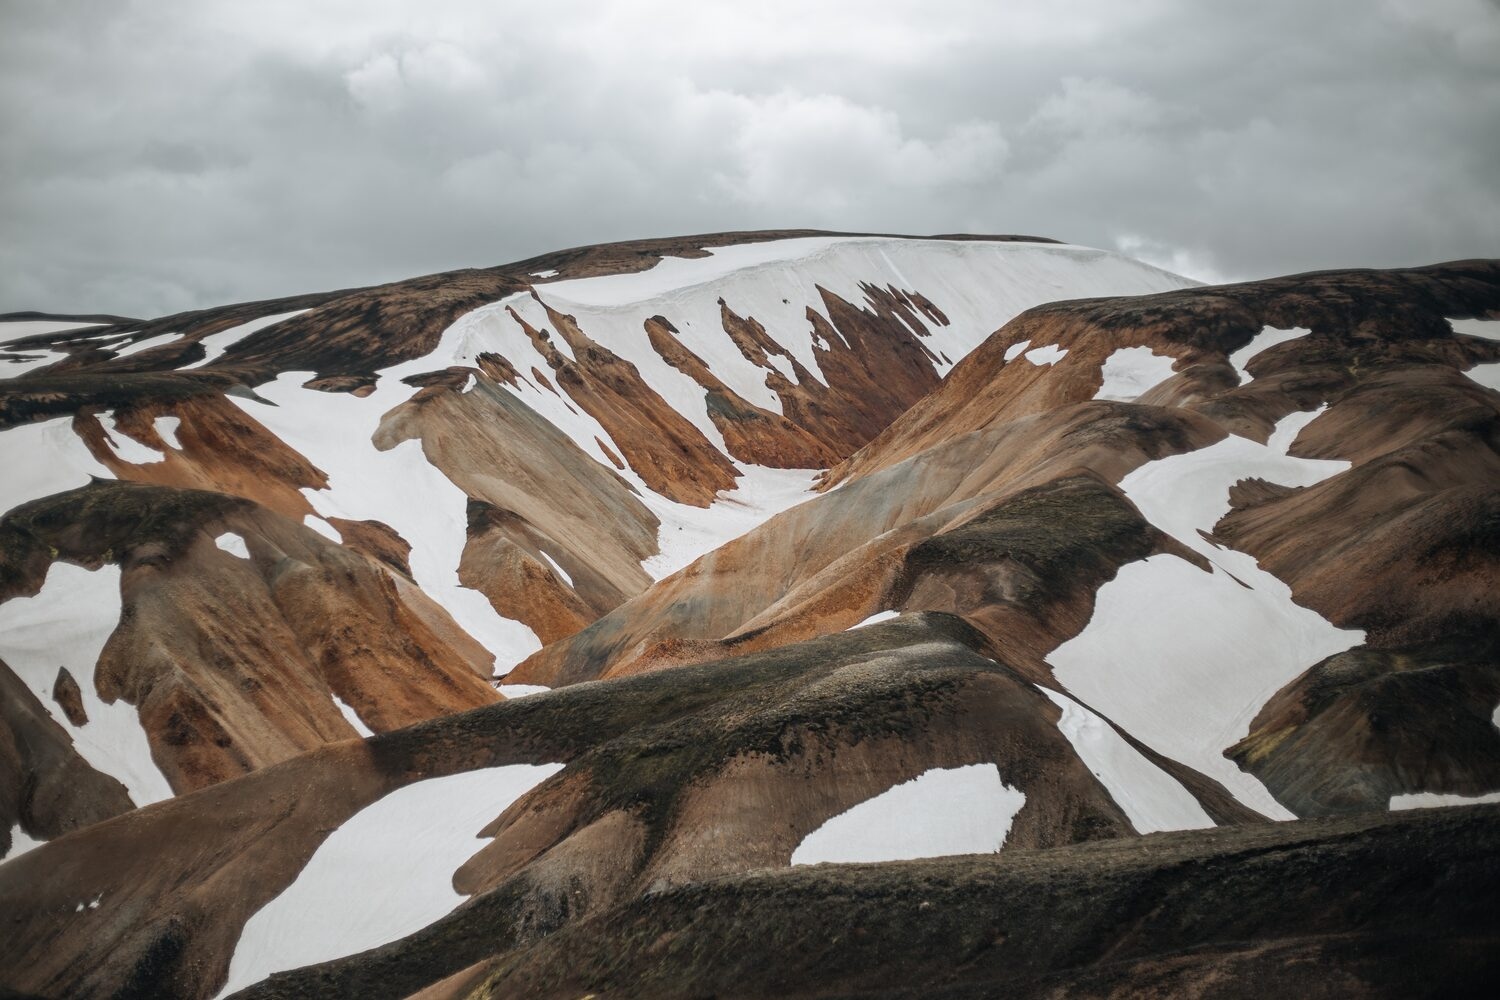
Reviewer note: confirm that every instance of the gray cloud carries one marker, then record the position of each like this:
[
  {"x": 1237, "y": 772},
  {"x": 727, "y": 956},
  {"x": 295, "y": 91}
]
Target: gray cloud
[{"x": 167, "y": 155}]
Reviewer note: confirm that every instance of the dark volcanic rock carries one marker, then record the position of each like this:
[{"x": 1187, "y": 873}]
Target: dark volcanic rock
[{"x": 1381, "y": 906}]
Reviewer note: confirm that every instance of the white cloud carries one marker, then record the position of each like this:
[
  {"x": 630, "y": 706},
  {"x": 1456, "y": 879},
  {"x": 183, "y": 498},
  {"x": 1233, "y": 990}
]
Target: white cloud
[{"x": 176, "y": 154}]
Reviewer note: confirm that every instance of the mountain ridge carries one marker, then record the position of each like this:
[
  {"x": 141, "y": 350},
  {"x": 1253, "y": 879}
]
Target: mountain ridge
[{"x": 1067, "y": 572}]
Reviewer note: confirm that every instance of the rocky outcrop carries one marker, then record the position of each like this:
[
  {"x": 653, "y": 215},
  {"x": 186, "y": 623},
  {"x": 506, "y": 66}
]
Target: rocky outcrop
[{"x": 1366, "y": 725}]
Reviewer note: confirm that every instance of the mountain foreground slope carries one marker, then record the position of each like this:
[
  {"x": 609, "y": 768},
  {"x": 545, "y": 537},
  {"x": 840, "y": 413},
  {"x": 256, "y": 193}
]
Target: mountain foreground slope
[{"x": 634, "y": 619}]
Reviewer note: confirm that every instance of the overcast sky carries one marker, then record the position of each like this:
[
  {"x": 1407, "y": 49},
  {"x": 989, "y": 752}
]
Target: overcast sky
[{"x": 162, "y": 155}]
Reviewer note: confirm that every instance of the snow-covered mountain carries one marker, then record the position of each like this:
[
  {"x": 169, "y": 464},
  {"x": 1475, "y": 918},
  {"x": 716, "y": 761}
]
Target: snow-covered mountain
[{"x": 878, "y": 549}]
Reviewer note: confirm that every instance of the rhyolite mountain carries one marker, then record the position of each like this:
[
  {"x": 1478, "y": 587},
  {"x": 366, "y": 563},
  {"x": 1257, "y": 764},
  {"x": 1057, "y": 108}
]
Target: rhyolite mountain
[{"x": 783, "y": 614}]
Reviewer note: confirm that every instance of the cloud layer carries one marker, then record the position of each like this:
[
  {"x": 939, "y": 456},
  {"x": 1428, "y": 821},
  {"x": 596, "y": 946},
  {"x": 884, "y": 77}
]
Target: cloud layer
[{"x": 166, "y": 155}]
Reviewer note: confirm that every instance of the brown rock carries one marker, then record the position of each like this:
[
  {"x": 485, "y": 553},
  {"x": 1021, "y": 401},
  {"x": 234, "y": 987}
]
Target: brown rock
[{"x": 65, "y": 692}]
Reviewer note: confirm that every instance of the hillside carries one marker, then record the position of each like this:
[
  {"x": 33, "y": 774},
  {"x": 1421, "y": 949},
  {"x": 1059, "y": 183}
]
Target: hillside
[{"x": 571, "y": 626}]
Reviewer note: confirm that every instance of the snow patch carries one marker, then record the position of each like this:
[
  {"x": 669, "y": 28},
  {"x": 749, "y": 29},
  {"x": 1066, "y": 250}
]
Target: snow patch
[
  {"x": 876, "y": 618},
  {"x": 1184, "y": 659},
  {"x": 1051, "y": 354},
  {"x": 66, "y": 624},
  {"x": 166, "y": 429},
  {"x": 352, "y": 717},
  {"x": 556, "y": 568},
  {"x": 1486, "y": 375},
  {"x": 960, "y": 810},
  {"x": 1267, "y": 338},
  {"x": 233, "y": 543},
  {"x": 127, "y": 448},
  {"x": 521, "y": 690},
  {"x": 322, "y": 527},
  {"x": 20, "y": 843},
  {"x": 1489, "y": 329},
  {"x": 544, "y": 274},
  {"x": 1014, "y": 350},
  {"x": 386, "y": 872},
  {"x": 1130, "y": 372},
  {"x": 1151, "y": 798},
  {"x": 1432, "y": 800}
]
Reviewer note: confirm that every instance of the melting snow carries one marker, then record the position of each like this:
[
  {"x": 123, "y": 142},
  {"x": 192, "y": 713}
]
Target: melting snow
[
  {"x": 1431, "y": 800},
  {"x": 1131, "y": 371},
  {"x": 20, "y": 843},
  {"x": 1486, "y": 375},
  {"x": 544, "y": 274},
  {"x": 1265, "y": 340},
  {"x": 876, "y": 618},
  {"x": 66, "y": 625},
  {"x": 961, "y": 810},
  {"x": 1051, "y": 354},
  {"x": 521, "y": 690},
  {"x": 352, "y": 716},
  {"x": 233, "y": 544},
  {"x": 127, "y": 448},
  {"x": 1184, "y": 659},
  {"x": 1014, "y": 350},
  {"x": 166, "y": 429},
  {"x": 1489, "y": 329},
  {"x": 1151, "y": 798},
  {"x": 562, "y": 573},
  {"x": 385, "y": 873},
  {"x": 322, "y": 527}
]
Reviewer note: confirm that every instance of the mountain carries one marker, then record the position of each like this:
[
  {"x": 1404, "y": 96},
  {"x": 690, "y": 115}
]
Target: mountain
[{"x": 580, "y": 625}]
